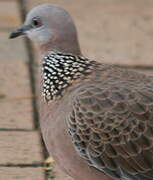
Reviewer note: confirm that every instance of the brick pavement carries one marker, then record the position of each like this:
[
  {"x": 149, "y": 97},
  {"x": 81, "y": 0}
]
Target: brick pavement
[
  {"x": 122, "y": 34},
  {"x": 20, "y": 141}
]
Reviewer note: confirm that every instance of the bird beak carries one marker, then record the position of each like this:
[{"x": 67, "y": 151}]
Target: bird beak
[{"x": 20, "y": 31}]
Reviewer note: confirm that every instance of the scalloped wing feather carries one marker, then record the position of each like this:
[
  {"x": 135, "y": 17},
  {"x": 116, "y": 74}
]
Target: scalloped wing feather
[{"x": 112, "y": 127}]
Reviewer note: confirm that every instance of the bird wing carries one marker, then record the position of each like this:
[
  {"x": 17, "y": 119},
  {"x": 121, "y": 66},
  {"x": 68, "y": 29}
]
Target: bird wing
[{"x": 112, "y": 128}]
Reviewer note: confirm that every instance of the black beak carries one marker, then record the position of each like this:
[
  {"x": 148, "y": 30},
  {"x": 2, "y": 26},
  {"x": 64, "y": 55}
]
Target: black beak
[{"x": 20, "y": 31}]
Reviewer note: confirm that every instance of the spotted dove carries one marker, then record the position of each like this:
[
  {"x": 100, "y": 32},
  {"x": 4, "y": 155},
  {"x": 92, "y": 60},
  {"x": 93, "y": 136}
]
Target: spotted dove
[{"x": 96, "y": 118}]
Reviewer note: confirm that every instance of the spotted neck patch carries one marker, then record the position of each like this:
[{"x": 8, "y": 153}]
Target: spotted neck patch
[{"x": 59, "y": 71}]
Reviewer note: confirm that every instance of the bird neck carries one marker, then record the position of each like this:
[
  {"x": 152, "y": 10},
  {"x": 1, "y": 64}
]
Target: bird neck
[
  {"x": 60, "y": 70},
  {"x": 66, "y": 43}
]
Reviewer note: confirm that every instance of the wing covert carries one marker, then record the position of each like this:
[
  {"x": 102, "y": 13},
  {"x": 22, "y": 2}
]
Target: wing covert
[{"x": 113, "y": 129}]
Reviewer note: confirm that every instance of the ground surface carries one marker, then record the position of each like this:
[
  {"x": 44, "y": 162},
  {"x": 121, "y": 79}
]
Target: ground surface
[{"x": 119, "y": 32}]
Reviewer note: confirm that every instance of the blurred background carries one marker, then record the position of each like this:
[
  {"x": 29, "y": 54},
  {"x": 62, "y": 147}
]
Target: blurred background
[{"x": 110, "y": 31}]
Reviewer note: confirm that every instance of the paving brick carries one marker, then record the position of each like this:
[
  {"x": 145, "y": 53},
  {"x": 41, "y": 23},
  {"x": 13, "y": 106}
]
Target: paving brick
[
  {"x": 15, "y": 92},
  {"x": 120, "y": 32},
  {"x": 9, "y": 14},
  {"x": 15, "y": 95},
  {"x": 13, "y": 49},
  {"x": 16, "y": 173},
  {"x": 16, "y": 115},
  {"x": 20, "y": 147}
]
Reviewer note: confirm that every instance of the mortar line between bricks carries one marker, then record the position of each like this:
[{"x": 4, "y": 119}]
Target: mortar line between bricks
[
  {"x": 22, "y": 165},
  {"x": 22, "y": 8},
  {"x": 16, "y": 130}
]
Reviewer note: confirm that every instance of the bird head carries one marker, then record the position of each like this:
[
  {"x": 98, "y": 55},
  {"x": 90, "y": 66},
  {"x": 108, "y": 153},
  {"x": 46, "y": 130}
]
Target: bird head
[{"x": 49, "y": 26}]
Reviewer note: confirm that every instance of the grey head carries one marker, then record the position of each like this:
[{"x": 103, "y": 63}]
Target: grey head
[{"x": 50, "y": 27}]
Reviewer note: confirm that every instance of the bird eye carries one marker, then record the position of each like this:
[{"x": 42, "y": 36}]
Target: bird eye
[{"x": 36, "y": 22}]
